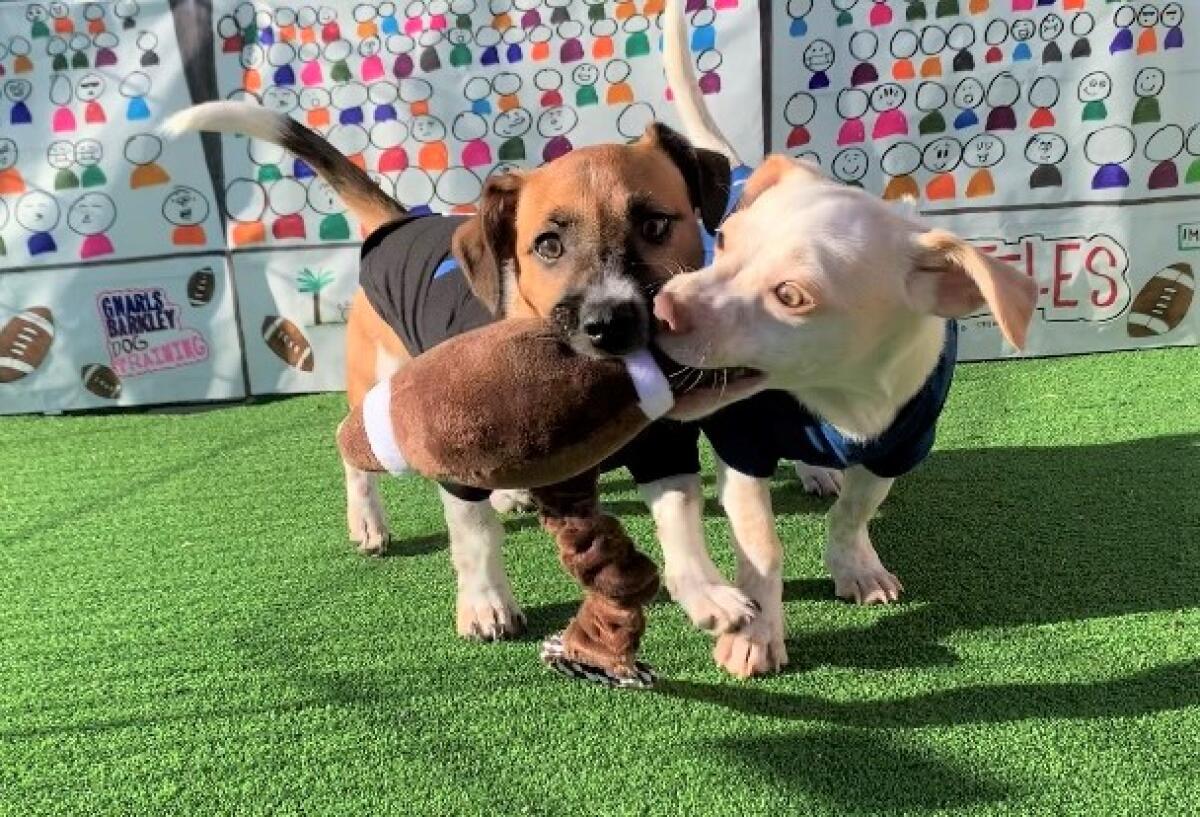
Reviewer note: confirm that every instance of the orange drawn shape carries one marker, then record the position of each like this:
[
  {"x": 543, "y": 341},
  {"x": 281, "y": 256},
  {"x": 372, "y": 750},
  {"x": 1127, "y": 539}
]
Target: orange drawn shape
[
  {"x": 903, "y": 69},
  {"x": 95, "y": 27},
  {"x": 619, "y": 94},
  {"x": 981, "y": 184},
  {"x": 1147, "y": 42},
  {"x": 602, "y": 49},
  {"x": 287, "y": 33},
  {"x": 653, "y": 7},
  {"x": 941, "y": 188},
  {"x": 22, "y": 64},
  {"x": 358, "y": 160},
  {"x": 11, "y": 182},
  {"x": 901, "y": 187},
  {"x": 188, "y": 235},
  {"x": 367, "y": 28},
  {"x": 147, "y": 176},
  {"x": 63, "y": 25},
  {"x": 509, "y": 101},
  {"x": 980, "y": 6},
  {"x": 932, "y": 67},
  {"x": 318, "y": 117},
  {"x": 248, "y": 232},
  {"x": 251, "y": 79},
  {"x": 420, "y": 108},
  {"x": 625, "y": 10},
  {"x": 540, "y": 52},
  {"x": 502, "y": 22},
  {"x": 307, "y": 35},
  {"x": 434, "y": 156}
]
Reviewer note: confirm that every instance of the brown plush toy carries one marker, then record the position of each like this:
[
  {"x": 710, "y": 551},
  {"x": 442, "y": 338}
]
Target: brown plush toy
[{"x": 510, "y": 405}]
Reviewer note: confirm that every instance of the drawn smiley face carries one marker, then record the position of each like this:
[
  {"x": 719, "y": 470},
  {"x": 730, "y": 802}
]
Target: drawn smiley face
[
  {"x": 819, "y": 56},
  {"x": 983, "y": 151},
  {"x": 323, "y": 198},
  {"x": 1147, "y": 16},
  {"x": 38, "y": 212},
  {"x": 426, "y": 128},
  {"x": 851, "y": 165},
  {"x": 1046, "y": 149},
  {"x": 280, "y": 98},
  {"x": 36, "y": 13},
  {"x": 557, "y": 121},
  {"x": 942, "y": 155},
  {"x": 1023, "y": 29},
  {"x": 60, "y": 154},
  {"x": 1095, "y": 87},
  {"x": 1149, "y": 82},
  {"x": 585, "y": 74},
  {"x": 512, "y": 123},
  {"x": 968, "y": 94},
  {"x": 18, "y": 90},
  {"x": 1051, "y": 27},
  {"x": 88, "y": 152},
  {"x": 185, "y": 206},
  {"x": 887, "y": 97}
]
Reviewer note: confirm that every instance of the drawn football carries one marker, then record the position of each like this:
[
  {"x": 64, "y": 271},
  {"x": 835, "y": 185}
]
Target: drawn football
[
  {"x": 101, "y": 381},
  {"x": 201, "y": 286},
  {"x": 24, "y": 342},
  {"x": 288, "y": 343},
  {"x": 1163, "y": 302}
]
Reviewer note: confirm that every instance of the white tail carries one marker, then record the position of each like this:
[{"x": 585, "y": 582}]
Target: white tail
[{"x": 229, "y": 117}]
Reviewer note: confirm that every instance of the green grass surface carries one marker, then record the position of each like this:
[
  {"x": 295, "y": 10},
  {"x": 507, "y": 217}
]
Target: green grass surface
[{"x": 184, "y": 630}]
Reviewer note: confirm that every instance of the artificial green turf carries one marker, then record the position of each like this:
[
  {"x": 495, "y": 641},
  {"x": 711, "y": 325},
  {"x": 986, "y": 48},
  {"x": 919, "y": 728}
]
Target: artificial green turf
[{"x": 184, "y": 630}]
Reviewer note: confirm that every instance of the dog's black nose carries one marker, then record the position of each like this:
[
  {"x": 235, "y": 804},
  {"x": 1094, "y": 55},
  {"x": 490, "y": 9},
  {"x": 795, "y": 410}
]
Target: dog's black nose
[{"x": 615, "y": 327}]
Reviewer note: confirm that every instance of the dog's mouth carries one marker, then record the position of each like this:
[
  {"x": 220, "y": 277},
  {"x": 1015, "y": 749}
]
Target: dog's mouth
[{"x": 700, "y": 392}]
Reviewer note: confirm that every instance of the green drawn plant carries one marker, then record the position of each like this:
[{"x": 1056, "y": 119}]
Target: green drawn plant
[{"x": 314, "y": 282}]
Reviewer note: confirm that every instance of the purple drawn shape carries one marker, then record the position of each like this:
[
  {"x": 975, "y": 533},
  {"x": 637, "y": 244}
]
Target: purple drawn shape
[
  {"x": 20, "y": 114},
  {"x": 301, "y": 170},
  {"x": 710, "y": 83},
  {"x": 403, "y": 66},
  {"x": 1002, "y": 118},
  {"x": 1165, "y": 175},
  {"x": 863, "y": 74},
  {"x": 556, "y": 148},
  {"x": 514, "y": 53},
  {"x": 572, "y": 51},
  {"x": 818, "y": 80},
  {"x": 106, "y": 57},
  {"x": 695, "y": 5},
  {"x": 267, "y": 36},
  {"x": 852, "y": 132},
  {"x": 890, "y": 123},
  {"x": 385, "y": 112},
  {"x": 1174, "y": 39},
  {"x": 284, "y": 75},
  {"x": 1122, "y": 42},
  {"x": 351, "y": 116},
  {"x": 420, "y": 210},
  {"x": 41, "y": 243},
  {"x": 531, "y": 19},
  {"x": 490, "y": 56},
  {"x": 1110, "y": 176}
]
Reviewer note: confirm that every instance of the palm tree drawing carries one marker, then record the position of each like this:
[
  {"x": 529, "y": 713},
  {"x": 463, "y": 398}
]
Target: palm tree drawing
[{"x": 314, "y": 282}]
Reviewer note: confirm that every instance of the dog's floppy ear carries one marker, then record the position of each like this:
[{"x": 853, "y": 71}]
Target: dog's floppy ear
[
  {"x": 706, "y": 172},
  {"x": 953, "y": 279},
  {"x": 772, "y": 171},
  {"x": 486, "y": 242}
]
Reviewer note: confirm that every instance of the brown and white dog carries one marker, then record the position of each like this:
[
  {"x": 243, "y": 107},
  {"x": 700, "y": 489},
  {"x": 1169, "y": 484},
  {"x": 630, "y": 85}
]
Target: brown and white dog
[
  {"x": 842, "y": 301},
  {"x": 587, "y": 239}
]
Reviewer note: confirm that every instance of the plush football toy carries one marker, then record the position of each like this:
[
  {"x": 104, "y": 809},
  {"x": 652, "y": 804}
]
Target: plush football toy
[{"x": 510, "y": 405}]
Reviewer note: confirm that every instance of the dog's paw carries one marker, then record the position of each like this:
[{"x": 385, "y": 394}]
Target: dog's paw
[
  {"x": 368, "y": 530},
  {"x": 860, "y": 577},
  {"x": 819, "y": 481},
  {"x": 712, "y": 605},
  {"x": 511, "y": 501},
  {"x": 488, "y": 614},
  {"x": 757, "y": 650}
]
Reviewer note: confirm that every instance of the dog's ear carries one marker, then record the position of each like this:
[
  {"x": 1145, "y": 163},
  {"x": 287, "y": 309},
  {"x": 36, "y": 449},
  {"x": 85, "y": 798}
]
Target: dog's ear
[
  {"x": 953, "y": 279},
  {"x": 706, "y": 172},
  {"x": 772, "y": 171},
  {"x": 486, "y": 243}
]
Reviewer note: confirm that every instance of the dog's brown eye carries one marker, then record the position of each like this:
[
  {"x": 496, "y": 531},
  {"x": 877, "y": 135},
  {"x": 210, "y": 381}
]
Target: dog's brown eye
[
  {"x": 791, "y": 296},
  {"x": 719, "y": 239},
  {"x": 548, "y": 246},
  {"x": 655, "y": 229}
]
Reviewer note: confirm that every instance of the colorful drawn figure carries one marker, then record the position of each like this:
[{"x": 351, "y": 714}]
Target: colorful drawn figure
[
  {"x": 852, "y": 106},
  {"x": 549, "y": 81},
  {"x": 1049, "y": 30},
  {"x": 61, "y": 96},
  {"x": 126, "y": 11},
  {"x": 1192, "y": 146},
  {"x": 288, "y": 199},
  {"x": 415, "y": 188},
  {"x": 904, "y": 46},
  {"x": 933, "y": 42},
  {"x": 80, "y": 45},
  {"x": 459, "y": 188},
  {"x": 619, "y": 92},
  {"x": 799, "y": 112},
  {"x": 383, "y": 96},
  {"x": 336, "y": 54},
  {"x": 1147, "y": 18},
  {"x": 186, "y": 209},
  {"x": 1082, "y": 25},
  {"x": 429, "y": 40},
  {"x": 1043, "y": 95},
  {"x": 402, "y": 46},
  {"x": 637, "y": 44},
  {"x": 17, "y": 91},
  {"x": 477, "y": 90},
  {"x": 1046, "y": 151},
  {"x": 982, "y": 153},
  {"x": 37, "y": 212},
  {"x": 1109, "y": 149},
  {"x": 850, "y": 166},
  {"x": 230, "y": 35},
  {"x": 11, "y": 182},
  {"x": 634, "y": 119},
  {"x": 88, "y": 155},
  {"x": 1022, "y": 31},
  {"x": 266, "y": 157},
  {"x": 306, "y": 24},
  {"x": 539, "y": 43},
  {"x": 798, "y": 11},
  {"x": 263, "y": 24},
  {"x": 246, "y": 205},
  {"x": 143, "y": 150},
  {"x": 507, "y": 86},
  {"x": 60, "y": 155},
  {"x": 433, "y": 155},
  {"x": 968, "y": 95},
  {"x": 252, "y": 57},
  {"x": 1123, "y": 19},
  {"x": 880, "y": 14},
  {"x": 315, "y": 103},
  {"x": 961, "y": 39},
  {"x": 707, "y": 65},
  {"x": 585, "y": 77},
  {"x": 324, "y": 200},
  {"x": 843, "y": 7},
  {"x": 529, "y": 12},
  {"x": 20, "y": 47},
  {"x": 941, "y": 157},
  {"x": 1002, "y": 95},
  {"x": 106, "y": 55},
  {"x": 135, "y": 88},
  {"x": 388, "y": 24},
  {"x": 887, "y": 100},
  {"x": 1094, "y": 89},
  {"x": 460, "y": 48},
  {"x": 56, "y": 49},
  {"x": 931, "y": 98},
  {"x": 559, "y": 11},
  {"x": 147, "y": 43},
  {"x": 388, "y": 138},
  {"x": 603, "y": 32},
  {"x": 37, "y": 16},
  {"x": 704, "y": 33},
  {"x": 818, "y": 58},
  {"x": 471, "y": 130},
  {"x": 1147, "y": 85},
  {"x": 1163, "y": 148},
  {"x": 280, "y": 56},
  {"x": 512, "y": 126},
  {"x": 281, "y": 99},
  {"x": 915, "y": 10},
  {"x": 900, "y": 162},
  {"x": 88, "y": 90},
  {"x": 285, "y": 24},
  {"x": 1172, "y": 19},
  {"x": 994, "y": 37},
  {"x": 60, "y": 14},
  {"x": 864, "y": 45},
  {"x": 554, "y": 125},
  {"x": 327, "y": 19},
  {"x": 348, "y": 100},
  {"x": 365, "y": 21},
  {"x": 488, "y": 39}
]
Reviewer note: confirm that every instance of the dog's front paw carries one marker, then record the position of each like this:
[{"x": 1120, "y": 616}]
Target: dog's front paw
[
  {"x": 757, "y": 650},
  {"x": 512, "y": 501},
  {"x": 859, "y": 576},
  {"x": 713, "y": 606},
  {"x": 488, "y": 614},
  {"x": 368, "y": 529},
  {"x": 819, "y": 481}
]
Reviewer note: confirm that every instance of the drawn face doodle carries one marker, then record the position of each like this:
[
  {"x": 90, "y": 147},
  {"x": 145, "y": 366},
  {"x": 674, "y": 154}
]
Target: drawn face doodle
[
  {"x": 1149, "y": 82},
  {"x": 88, "y": 152},
  {"x": 942, "y": 155},
  {"x": 92, "y": 214},
  {"x": 984, "y": 150},
  {"x": 887, "y": 97},
  {"x": 513, "y": 122},
  {"x": 851, "y": 165},
  {"x": 557, "y": 121},
  {"x": 1023, "y": 29},
  {"x": 969, "y": 94},
  {"x": 819, "y": 56},
  {"x": 1046, "y": 149},
  {"x": 60, "y": 155},
  {"x": 427, "y": 129},
  {"x": 185, "y": 206},
  {"x": 38, "y": 211},
  {"x": 1095, "y": 86}
]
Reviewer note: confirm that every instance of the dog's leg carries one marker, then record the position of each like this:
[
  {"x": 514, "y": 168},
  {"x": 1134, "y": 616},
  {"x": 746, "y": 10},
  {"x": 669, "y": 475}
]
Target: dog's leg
[
  {"x": 849, "y": 555},
  {"x": 486, "y": 608},
  {"x": 758, "y": 647},
  {"x": 713, "y": 604},
  {"x": 513, "y": 500},
  {"x": 818, "y": 481}
]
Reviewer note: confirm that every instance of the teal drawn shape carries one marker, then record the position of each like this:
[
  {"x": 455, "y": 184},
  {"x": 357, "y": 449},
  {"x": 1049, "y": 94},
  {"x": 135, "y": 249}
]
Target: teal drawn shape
[
  {"x": 1095, "y": 111},
  {"x": 269, "y": 173},
  {"x": 844, "y": 18},
  {"x": 638, "y": 45},
  {"x": 460, "y": 55},
  {"x": 334, "y": 227},
  {"x": 39, "y": 30},
  {"x": 93, "y": 177},
  {"x": 586, "y": 95}
]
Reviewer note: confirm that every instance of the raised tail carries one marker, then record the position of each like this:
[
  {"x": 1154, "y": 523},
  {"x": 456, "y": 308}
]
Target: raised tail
[
  {"x": 365, "y": 199},
  {"x": 698, "y": 124}
]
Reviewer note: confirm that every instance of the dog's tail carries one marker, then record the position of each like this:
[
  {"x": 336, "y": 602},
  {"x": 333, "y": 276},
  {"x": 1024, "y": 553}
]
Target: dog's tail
[
  {"x": 365, "y": 199},
  {"x": 698, "y": 124}
]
